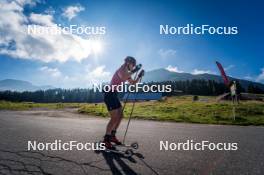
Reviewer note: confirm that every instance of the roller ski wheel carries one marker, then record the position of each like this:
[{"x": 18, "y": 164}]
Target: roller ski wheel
[
  {"x": 134, "y": 145},
  {"x": 128, "y": 153}
]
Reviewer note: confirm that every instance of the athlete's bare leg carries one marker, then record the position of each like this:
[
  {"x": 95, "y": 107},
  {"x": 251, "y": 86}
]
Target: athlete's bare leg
[
  {"x": 119, "y": 119},
  {"x": 114, "y": 114}
]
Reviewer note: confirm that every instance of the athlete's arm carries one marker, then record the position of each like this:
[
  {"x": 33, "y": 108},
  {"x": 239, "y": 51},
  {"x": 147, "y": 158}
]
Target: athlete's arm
[{"x": 123, "y": 73}]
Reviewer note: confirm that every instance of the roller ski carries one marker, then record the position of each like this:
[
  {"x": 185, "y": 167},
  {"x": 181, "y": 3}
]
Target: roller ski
[
  {"x": 113, "y": 148},
  {"x": 116, "y": 143},
  {"x": 133, "y": 145}
]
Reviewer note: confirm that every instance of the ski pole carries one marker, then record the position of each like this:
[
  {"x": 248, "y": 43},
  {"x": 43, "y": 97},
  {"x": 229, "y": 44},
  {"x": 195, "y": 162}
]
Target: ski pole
[
  {"x": 128, "y": 95},
  {"x": 130, "y": 116},
  {"x": 125, "y": 102}
]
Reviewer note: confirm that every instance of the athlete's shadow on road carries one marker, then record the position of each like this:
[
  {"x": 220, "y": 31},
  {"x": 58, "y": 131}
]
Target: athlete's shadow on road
[{"x": 111, "y": 158}]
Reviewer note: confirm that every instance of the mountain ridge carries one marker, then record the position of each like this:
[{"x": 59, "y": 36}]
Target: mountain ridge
[
  {"x": 158, "y": 75},
  {"x": 21, "y": 85}
]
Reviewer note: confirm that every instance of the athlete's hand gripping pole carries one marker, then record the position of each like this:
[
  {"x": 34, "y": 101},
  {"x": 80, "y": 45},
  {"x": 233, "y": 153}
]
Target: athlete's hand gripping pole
[{"x": 137, "y": 68}]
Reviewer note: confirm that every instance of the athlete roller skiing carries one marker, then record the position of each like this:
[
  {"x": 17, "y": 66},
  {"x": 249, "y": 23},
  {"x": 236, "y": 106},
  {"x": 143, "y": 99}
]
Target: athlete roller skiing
[{"x": 122, "y": 74}]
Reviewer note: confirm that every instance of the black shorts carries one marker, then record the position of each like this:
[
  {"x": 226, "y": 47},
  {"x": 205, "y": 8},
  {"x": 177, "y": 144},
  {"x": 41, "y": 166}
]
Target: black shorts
[{"x": 111, "y": 100}]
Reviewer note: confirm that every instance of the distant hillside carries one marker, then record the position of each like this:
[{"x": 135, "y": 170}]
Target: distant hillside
[
  {"x": 159, "y": 75},
  {"x": 19, "y": 85}
]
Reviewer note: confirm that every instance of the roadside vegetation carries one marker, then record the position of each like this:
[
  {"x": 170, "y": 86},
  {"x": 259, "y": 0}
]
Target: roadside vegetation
[
  {"x": 175, "y": 109},
  {"x": 5, "y": 105},
  {"x": 184, "y": 109}
]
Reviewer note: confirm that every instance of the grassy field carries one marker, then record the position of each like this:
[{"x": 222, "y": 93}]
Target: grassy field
[
  {"x": 183, "y": 109},
  {"x": 176, "y": 109},
  {"x": 5, "y": 105}
]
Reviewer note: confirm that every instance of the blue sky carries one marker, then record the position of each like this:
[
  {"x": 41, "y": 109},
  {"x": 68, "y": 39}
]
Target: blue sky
[{"x": 132, "y": 28}]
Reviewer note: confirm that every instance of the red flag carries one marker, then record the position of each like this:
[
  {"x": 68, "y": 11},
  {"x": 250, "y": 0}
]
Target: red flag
[{"x": 222, "y": 71}]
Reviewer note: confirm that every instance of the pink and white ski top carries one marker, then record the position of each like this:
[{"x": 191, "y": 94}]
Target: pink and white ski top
[{"x": 116, "y": 79}]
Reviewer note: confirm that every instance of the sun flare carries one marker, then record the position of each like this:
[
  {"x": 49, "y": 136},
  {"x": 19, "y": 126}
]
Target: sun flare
[{"x": 97, "y": 47}]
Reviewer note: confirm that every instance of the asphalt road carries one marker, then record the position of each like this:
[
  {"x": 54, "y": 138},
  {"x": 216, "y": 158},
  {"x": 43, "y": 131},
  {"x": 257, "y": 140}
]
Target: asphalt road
[{"x": 17, "y": 128}]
